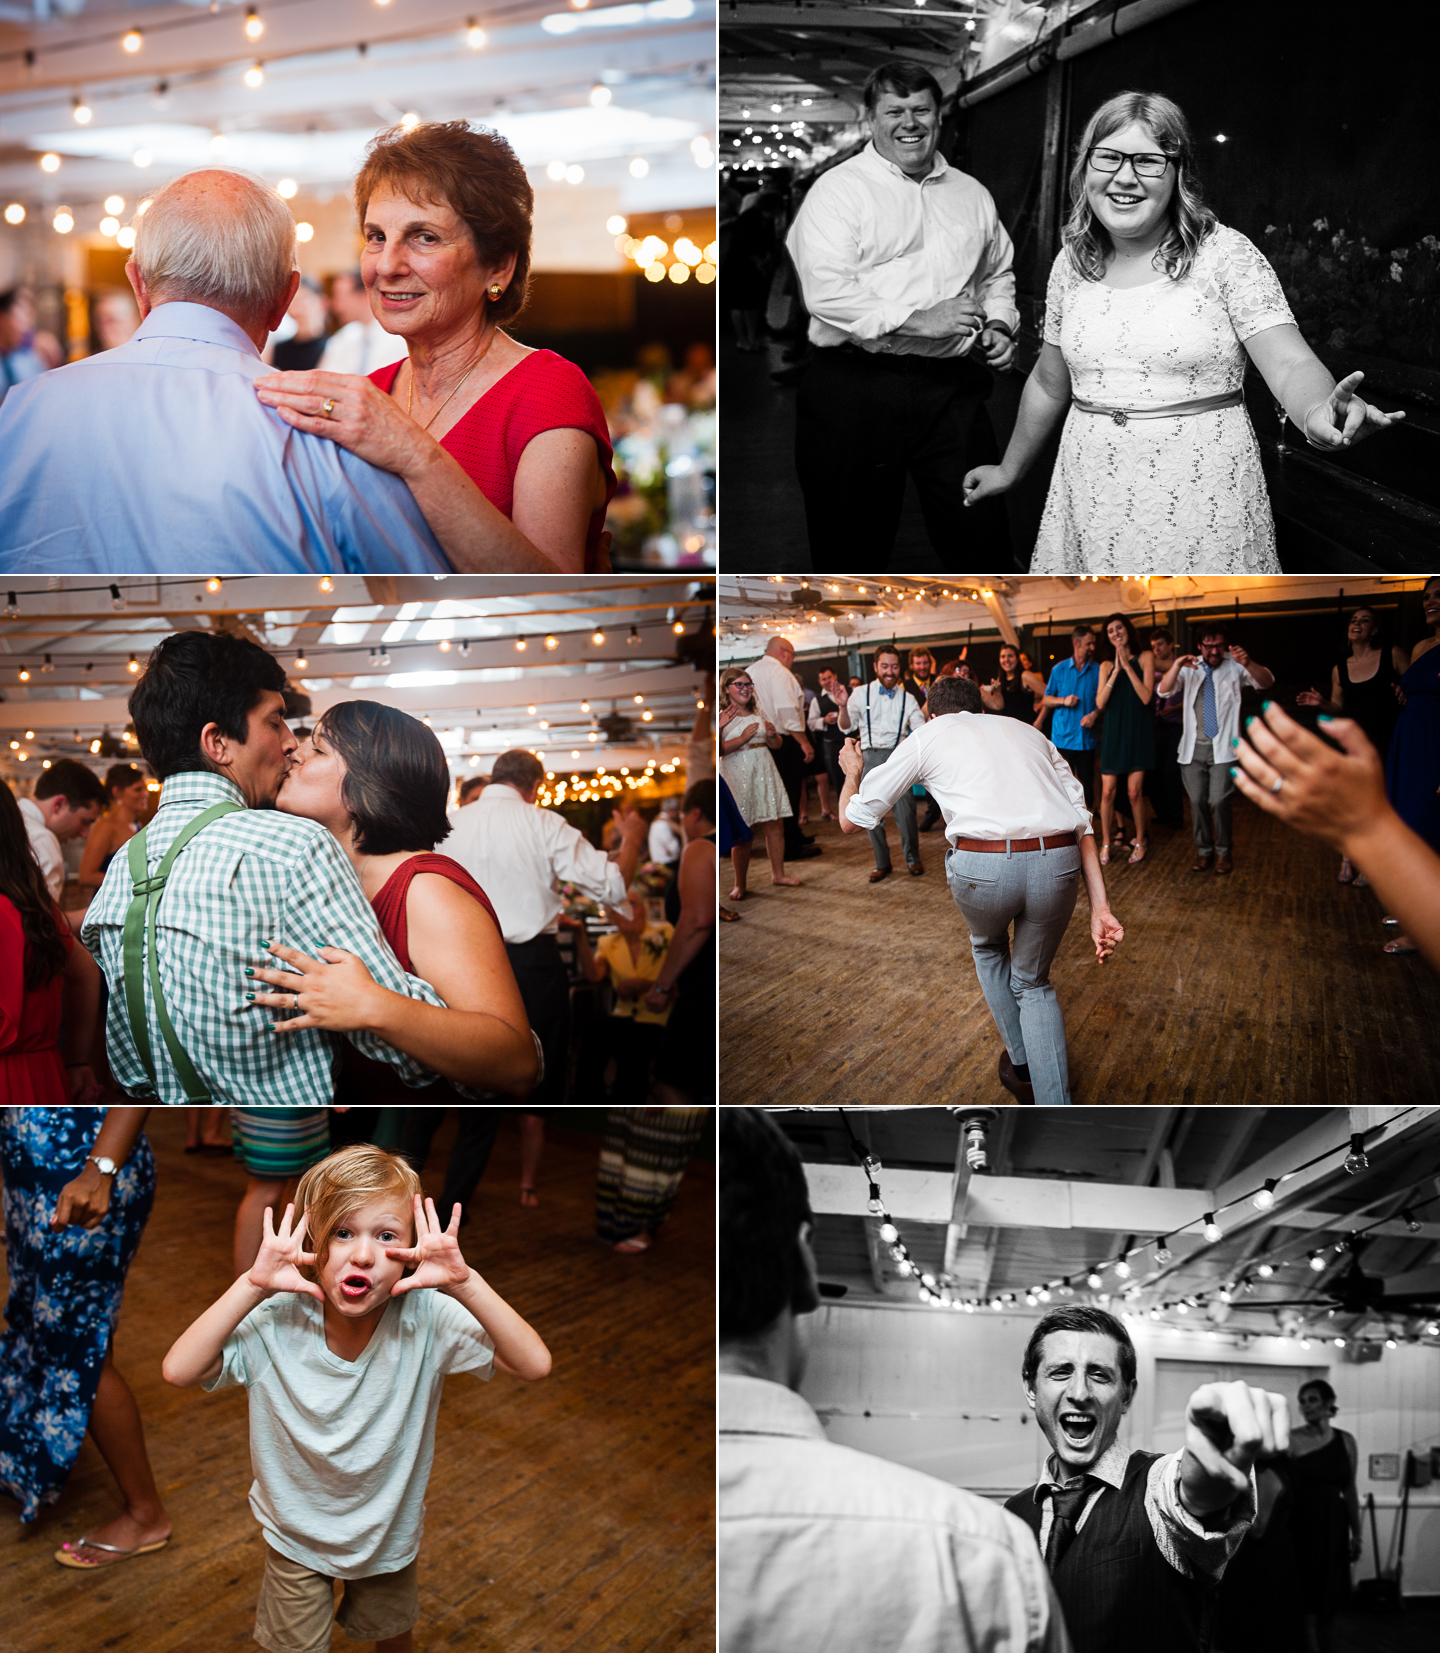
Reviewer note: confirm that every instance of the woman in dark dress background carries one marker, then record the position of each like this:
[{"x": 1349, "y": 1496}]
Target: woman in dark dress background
[
  {"x": 1127, "y": 735},
  {"x": 1259, "y": 1607},
  {"x": 1363, "y": 686},
  {"x": 1325, "y": 1515},
  {"x": 1013, "y": 691},
  {"x": 1412, "y": 777}
]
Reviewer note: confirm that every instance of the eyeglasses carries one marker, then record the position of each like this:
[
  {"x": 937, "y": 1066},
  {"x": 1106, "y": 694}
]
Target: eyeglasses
[
  {"x": 1111, "y": 160},
  {"x": 741, "y": 684}
]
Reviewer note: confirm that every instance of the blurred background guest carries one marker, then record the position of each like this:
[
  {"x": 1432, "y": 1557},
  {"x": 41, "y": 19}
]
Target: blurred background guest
[
  {"x": 127, "y": 798},
  {"x": 1412, "y": 777},
  {"x": 1163, "y": 786},
  {"x": 642, "y": 1161},
  {"x": 1325, "y": 1515},
  {"x": 303, "y": 345},
  {"x": 630, "y": 957},
  {"x": 114, "y": 317},
  {"x": 359, "y": 344}
]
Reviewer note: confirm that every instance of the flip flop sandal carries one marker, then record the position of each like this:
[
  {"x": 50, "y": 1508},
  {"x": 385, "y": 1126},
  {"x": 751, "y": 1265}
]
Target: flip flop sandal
[
  {"x": 1401, "y": 948},
  {"x": 1104, "y": 856},
  {"x": 633, "y": 1244},
  {"x": 728, "y": 914},
  {"x": 68, "y": 1550},
  {"x": 1360, "y": 881}
]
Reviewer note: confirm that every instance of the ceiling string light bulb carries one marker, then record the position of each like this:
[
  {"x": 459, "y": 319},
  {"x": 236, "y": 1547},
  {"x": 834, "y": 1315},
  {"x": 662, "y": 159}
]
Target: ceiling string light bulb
[
  {"x": 1162, "y": 1254},
  {"x": 1265, "y": 1199},
  {"x": 1357, "y": 1161},
  {"x": 1212, "y": 1231}
]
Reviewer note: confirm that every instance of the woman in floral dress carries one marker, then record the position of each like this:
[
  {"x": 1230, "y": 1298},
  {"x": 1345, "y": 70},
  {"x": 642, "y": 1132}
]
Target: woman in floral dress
[
  {"x": 1151, "y": 313},
  {"x": 71, "y": 1230}
]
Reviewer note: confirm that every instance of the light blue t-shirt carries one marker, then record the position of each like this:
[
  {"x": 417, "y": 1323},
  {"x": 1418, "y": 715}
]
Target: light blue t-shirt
[{"x": 341, "y": 1451}]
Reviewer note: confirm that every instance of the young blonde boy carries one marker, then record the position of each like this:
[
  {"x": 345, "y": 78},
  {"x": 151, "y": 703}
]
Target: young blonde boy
[{"x": 344, "y": 1363}]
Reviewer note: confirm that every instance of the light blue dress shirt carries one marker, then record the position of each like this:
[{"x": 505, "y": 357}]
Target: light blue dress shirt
[{"x": 158, "y": 456}]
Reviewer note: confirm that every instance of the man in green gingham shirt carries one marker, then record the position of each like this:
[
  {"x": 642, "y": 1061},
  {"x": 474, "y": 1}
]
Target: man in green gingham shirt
[{"x": 210, "y": 719}]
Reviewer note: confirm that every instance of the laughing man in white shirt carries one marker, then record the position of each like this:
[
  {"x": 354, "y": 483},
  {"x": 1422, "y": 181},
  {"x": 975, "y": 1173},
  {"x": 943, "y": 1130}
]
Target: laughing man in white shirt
[
  {"x": 1020, "y": 842},
  {"x": 905, "y": 269}
]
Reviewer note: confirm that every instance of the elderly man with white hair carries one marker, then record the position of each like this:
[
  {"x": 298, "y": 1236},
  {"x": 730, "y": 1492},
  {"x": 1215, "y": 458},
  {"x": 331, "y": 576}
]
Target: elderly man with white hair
[{"x": 158, "y": 456}]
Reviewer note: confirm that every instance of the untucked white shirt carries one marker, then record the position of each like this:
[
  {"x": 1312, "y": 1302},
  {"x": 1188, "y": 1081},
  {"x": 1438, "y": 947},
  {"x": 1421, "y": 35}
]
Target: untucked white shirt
[
  {"x": 992, "y": 778},
  {"x": 778, "y": 695},
  {"x": 360, "y": 348},
  {"x": 518, "y": 854},
  {"x": 45, "y": 846},
  {"x": 872, "y": 245},
  {"x": 341, "y": 1451},
  {"x": 665, "y": 841},
  {"x": 1229, "y": 677},
  {"x": 822, "y": 1548}
]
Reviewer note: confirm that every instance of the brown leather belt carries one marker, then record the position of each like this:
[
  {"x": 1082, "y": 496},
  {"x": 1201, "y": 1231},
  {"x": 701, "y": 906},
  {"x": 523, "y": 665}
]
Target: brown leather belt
[{"x": 1051, "y": 842}]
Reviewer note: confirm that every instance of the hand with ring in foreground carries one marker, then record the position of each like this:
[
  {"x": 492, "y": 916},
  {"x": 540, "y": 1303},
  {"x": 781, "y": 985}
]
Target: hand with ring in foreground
[
  {"x": 335, "y": 992},
  {"x": 362, "y": 417}
]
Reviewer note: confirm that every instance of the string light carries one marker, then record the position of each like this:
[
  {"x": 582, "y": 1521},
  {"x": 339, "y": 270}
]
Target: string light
[
  {"x": 1357, "y": 1161},
  {"x": 1212, "y": 1231},
  {"x": 1265, "y": 1199},
  {"x": 1162, "y": 1255}
]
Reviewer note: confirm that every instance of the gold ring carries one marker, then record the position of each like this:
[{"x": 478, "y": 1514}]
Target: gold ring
[{"x": 329, "y": 407}]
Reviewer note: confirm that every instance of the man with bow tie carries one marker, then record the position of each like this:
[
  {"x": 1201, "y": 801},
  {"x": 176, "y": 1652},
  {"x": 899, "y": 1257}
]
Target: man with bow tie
[
  {"x": 880, "y": 716},
  {"x": 1136, "y": 1542}
]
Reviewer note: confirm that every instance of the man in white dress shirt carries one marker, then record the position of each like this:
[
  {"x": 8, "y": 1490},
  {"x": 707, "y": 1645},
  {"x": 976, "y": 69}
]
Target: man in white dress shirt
[
  {"x": 518, "y": 855},
  {"x": 359, "y": 345},
  {"x": 780, "y": 698},
  {"x": 1212, "y": 685},
  {"x": 1020, "y": 842},
  {"x": 905, "y": 269},
  {"x": 68, "y": 798},
  {"x": 880, "y": 717}
]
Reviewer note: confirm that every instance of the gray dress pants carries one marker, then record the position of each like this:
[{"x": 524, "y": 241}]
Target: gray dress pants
[
  {"x": 1036, "y": 890},
  {"x": 1208, "y": 782},
  {"x": 904, "y": 816}
]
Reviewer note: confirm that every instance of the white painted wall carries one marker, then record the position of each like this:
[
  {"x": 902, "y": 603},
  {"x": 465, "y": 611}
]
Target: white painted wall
[{"x": 941, "y": 1392}]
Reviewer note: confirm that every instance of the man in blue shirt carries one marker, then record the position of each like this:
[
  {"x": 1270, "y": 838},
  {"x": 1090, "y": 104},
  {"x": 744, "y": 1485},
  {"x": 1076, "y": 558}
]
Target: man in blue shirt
[
  {"x": 159, "y": 456},
  {"x": 1071, "y": 692}
]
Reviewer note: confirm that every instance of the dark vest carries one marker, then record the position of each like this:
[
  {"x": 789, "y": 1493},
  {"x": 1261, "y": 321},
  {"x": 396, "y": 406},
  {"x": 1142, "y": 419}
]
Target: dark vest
[
  {"x": 830, "y": 733},
  {"x": 1114, "y": 1585}
]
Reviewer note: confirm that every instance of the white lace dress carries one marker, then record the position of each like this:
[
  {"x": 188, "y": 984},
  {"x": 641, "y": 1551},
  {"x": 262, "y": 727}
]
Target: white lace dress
[
  {"x": 750, "y": 774},
  {"x": 1176, "y": 496}
]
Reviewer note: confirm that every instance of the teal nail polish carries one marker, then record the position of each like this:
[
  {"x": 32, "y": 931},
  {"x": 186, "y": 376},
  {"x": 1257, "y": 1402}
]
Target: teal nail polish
[
  {"x": 1234, "y": 771},
  {"x": 1266, "y": 706},
  {"x": 1234, "y": 741},
  {"x": 1249, "y": 721},
  {"x": 1325, "y": 718},
  {"x": 264, "y": 942},
  {"x": 249, "y": 997},
  {"x": 249, "y": 971}
]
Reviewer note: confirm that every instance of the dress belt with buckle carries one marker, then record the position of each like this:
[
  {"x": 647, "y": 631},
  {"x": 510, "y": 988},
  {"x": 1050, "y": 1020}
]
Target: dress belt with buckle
[
  {"x": 1198, "y": 405},
  {"x": 1051, "y": 842}
]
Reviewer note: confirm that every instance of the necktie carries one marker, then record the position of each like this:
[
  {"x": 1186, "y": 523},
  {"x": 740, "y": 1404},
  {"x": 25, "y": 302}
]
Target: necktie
[
  {"x": 1211, "y": 722},
  {"x": 1066, "y": 1506}
]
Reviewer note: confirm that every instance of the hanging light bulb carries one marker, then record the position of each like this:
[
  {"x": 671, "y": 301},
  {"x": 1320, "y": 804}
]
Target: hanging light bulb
[
  {"x": 1122, "y": 1268},
  {"x": 1212, "y": 1231},
  {"x": 116, "y": 601},
  {"x": 632, "y": 637},
  {"x": 326, "y": 584},
  {"x": 1265, "y": 1199},
  {"x": 521, "y": 644},
  {"x": 888, "y": 1233},
  {"x": 1317, "y": 1260},
  {"x": 1412, "y": 1224},
  {"x": 254, "y": 26},
  {"x": 1065, "y": 1291},
  {"x": 1265, "y": 1270},
  {"x": 1162, "y": 1254},
  {"x": 132, "y": 666},
  {"x": 1357, "y": 1161},
  {"x": 1094, "y": 1279},
  {"x": 301, "y": 662}
]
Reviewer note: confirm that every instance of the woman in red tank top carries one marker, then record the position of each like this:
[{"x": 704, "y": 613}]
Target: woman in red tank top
[
  {"x": 505, "y": 449},
  {"x": 378, "y": 780}
]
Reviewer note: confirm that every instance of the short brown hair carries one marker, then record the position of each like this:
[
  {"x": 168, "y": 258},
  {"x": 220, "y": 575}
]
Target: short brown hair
[
  {"x": 347, "y": 1179},
  {"x": 477, "y": 175},
  {"x": 78, "y": 783},
  {"x": 520, "y": 768},
  {"x": 396, "y": 782}
]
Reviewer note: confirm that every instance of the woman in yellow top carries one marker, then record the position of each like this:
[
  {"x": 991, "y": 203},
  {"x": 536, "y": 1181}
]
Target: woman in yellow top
[
  {"x": 631, "y": 957},
  {"x": 125, "y": 786}
]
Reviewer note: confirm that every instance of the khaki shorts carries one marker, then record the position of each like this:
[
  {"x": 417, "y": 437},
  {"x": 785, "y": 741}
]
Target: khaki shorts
[{"x": 297, "y": 1605}]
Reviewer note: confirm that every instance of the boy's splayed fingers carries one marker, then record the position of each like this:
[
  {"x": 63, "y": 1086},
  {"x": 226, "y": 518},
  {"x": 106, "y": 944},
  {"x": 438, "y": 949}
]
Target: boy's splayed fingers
[
  {"x": 436, "y": 1255},
  {"x": 277, "y": 1266}
]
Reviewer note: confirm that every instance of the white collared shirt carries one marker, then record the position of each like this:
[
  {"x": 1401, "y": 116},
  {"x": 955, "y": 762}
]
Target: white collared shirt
[
  {"x": 360, "y": 348},
  {"x": 778, "y": 695},
  {"x": 1229, "y": 676},
  {"x": 872, "y": 245},
  {"x": 822, "y": 1548},
  {"x": 1184, "y": 1542},
  {"x": 992, "y": 778},
  {"x": 519, "y": 853},
  {"x": 45, "y": 846},
  {"x": 877, "y": 720}
]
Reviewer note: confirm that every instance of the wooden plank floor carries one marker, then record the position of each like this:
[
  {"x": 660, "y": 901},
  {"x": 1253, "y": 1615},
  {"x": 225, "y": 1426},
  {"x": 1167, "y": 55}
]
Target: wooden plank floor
[
  {"x": 1266, "y": 986},
  {"x": 574, "y": 1514}
]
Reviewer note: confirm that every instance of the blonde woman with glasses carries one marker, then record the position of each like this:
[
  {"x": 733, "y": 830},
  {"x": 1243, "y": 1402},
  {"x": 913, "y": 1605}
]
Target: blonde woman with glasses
[
  {"x": 1151, "y": 313},
  {"x": 746, "y": 738}
]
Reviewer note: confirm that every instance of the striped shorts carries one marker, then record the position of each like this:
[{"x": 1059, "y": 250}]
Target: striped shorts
[{"x": 280, "y": 1143}]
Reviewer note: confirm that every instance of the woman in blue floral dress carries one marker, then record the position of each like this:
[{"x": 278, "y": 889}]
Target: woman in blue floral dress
[{"x": 79, "y": 1184}]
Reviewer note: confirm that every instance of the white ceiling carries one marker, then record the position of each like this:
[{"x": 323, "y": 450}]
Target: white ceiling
[{"x": 478, "y": 702}]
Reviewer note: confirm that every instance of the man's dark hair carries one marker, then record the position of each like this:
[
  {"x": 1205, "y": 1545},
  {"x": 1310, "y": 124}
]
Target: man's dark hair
[
  {"x": 1079, "y": 1319},
  {"x": 954, "y": 695},
  {"x": 520, "y": 768},
  {"x": 77, "y": 782},
  {"x": 1162, "y": 632},
  {"x": 469, "y": 787},
  {"x": 193, "y": 679},
  {"x": 700, "y": 796},
  {"x": 1082, "y": 631},
  {"x": 885, "y": 649},
  {"x": 1214, "y": 629},
  {"x": 764, "y": 1200},
  {"x": 396, "y": 780},
  {"x": 904, "y": 79}
]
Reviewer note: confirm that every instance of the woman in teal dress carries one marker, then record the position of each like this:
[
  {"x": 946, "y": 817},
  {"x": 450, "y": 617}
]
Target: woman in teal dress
[{"x": 1127, "y": 736}]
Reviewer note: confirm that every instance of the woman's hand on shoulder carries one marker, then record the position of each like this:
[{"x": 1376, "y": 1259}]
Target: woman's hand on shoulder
[
  {"x": 334, "y": 991},
  {"x": 363, "y": 418}
]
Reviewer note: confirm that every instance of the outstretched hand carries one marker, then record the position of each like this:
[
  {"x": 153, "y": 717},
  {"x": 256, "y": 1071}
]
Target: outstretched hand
[
  {"x": 1343, "y": 419},
  {"x": 1228, "y": 1426},
  {"x": 1289, "y": 772},
  {"x": 277, "y": 1266},
  {"x": 436, "y": 1255}
]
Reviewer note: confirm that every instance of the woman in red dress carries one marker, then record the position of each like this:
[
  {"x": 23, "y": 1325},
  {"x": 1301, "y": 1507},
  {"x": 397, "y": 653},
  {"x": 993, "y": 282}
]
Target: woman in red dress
[
  {"x": 44, "y": 976},
  {"x": 378, "y": 780},
  {"x": 505, "y": 448}
]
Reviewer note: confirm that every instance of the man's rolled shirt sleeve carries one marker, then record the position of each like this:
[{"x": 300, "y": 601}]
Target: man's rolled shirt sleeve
[
  {"x": 828, "y": 262},
  {"x": 996, "y": 290},
  {"x": 1184, "y": 1542},
  {"x": 576, "y": 862},
  {"x": 885, "y": 784}
]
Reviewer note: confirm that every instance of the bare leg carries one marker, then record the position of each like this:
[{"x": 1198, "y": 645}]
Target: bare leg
[
  {"x": 119, "y": 1435},
  {"x": 740, "y": 862},
  {"x": 532, "y": 1142},
  {"x": 775, "y": 848},
  {"x": 401, "y": 1641},
  {"x": 1136, "y": 788},
  {"x": 216, "y": 1124},
  {"x": 193, "y": 1118},
  {"x": 826, "y": 804},
  {"x": 250, "y": 1216},
  {"x": 1107, "y": 809},
  {"x": 804, "y": 817}
]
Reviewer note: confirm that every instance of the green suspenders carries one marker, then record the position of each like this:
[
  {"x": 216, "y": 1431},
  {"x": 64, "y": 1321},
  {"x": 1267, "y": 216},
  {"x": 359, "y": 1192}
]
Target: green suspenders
[{"x": 139, "y": 935}]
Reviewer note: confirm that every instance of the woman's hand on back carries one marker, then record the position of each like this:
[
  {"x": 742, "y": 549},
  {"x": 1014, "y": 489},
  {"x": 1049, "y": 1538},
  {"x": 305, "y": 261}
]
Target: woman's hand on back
[
  {"x": 364, "y": 418},
  {"x": 336, "y": 991}
]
